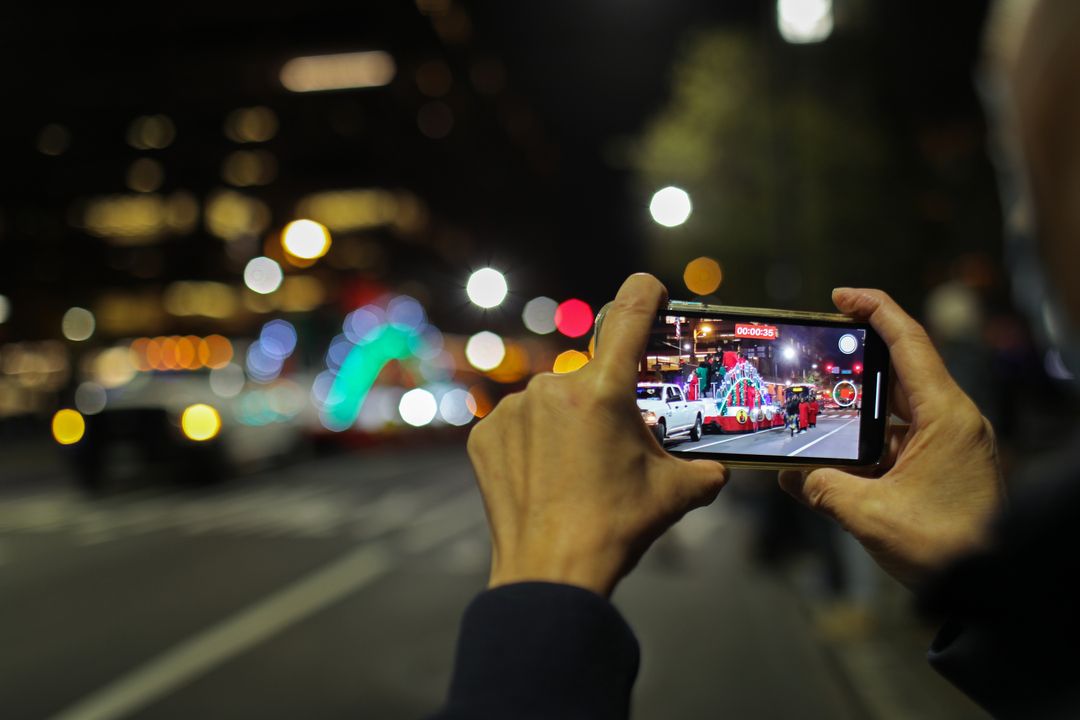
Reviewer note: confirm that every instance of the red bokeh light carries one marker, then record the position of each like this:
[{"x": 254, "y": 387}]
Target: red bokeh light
[
  {"x": 574, "y": 318},
  {"x": 858, "y": 367}
]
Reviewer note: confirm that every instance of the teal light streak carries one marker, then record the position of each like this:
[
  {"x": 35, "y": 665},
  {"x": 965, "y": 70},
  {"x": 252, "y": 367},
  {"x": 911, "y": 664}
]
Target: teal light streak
[{"x": 362, "y": 366}]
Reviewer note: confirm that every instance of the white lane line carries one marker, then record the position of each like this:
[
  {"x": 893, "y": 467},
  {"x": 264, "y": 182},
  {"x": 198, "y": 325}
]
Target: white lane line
[
  {"x": 815, "y": 442},
  {"x": 733, "y": 439},
  {"x": 255, "y": 624}
]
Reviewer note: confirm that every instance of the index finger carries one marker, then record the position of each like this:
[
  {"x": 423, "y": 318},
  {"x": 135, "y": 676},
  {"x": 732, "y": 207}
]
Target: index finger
[
  {"x": 624, "y": 330},
  {"x": 919, "y": 368}
]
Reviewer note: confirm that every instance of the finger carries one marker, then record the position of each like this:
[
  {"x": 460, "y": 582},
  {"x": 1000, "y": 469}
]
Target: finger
[
  {"x": 898, "y": 400},
  {"x": 624, "y": 329},
  {"x": 917, "y": 364},
  {"x": 790, "y": 481},
  {"x": 840, "y": 495},
  {"x": 699, "y": 481}
]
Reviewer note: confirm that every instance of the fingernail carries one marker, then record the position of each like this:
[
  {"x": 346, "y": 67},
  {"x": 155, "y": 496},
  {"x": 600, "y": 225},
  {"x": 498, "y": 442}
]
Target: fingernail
[{"x": 841, "y": 290}]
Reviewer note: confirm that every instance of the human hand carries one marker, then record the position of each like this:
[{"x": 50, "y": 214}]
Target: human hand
[
  {"x": 575, "y": 486},
  {"x": 941, "y": 484}
]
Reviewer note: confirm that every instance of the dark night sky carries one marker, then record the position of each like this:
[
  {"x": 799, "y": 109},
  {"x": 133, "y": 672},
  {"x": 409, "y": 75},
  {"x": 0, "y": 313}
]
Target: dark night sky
[{"x": 549, "y": 205}]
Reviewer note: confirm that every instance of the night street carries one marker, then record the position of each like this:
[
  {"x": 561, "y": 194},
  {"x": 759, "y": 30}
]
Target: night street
[
  {"x": 334, "y": 588},
  {"x": 836, "y": 435}
]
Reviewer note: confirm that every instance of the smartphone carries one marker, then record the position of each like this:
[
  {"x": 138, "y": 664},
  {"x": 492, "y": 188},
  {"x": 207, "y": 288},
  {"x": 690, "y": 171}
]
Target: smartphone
[{"x": 765, "y": 388}]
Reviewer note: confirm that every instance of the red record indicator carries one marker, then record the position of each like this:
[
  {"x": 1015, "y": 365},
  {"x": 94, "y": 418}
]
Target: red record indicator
[{"x": 845, "y": 393}]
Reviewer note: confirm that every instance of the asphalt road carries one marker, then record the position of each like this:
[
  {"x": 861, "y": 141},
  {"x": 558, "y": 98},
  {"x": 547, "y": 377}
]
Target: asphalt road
[
  {"x": 334, "y": 588},
  {"x": 834, "y": 436}
]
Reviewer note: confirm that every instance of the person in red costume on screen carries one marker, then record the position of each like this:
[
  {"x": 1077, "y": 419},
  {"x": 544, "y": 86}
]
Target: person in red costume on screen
[{"x": 568, "y": 522}]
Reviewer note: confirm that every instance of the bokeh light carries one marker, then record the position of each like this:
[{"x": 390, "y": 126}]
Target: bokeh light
[
  {"x": 5, "y": 309},
  {"x": 702, "y": 276},
  {"x": 539, "y": 315},
  {"x": 486, "y": 287},
  {"x": 418, "y": 407},
  {"x": 90, "y": 398},
  {"x": 151, "y": 132},
  {"x": 574, "y": 318},
  {"x": 479, "y": 402},
  {"x": 670, "y": 206},
  {"x": 227, "y": 381},
  {"x": 514, "y": 366},
  {"x": 77, "y": 324},
  {"x": 455, "y": 407},
  {"x": 804, "y": 21},
  {"x": 263, "y": 275},
  {"x": 305, "y": 239},
  {"x": 262, "y": 365},
  {"x": 68, "y": 426},
  {"x": 251, "y": 125},
  {"x": 53, "y": 139},
  {"x": 113, "y": 368},
  {"x": 361, "y": 322},
  {"x": 200, "y": 422},
  {"x": 215, "y": 351},
  {"x": 278, "y": 339},
  {"x": 405, "y": 312},
  {"x": 485, "y": 350},
  {"x": 569, "y": 361}
]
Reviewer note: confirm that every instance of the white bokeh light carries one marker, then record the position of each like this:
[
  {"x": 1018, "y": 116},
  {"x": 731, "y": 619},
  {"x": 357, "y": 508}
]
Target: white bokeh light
[
  {"x": 486, "y": 287},
  {"x": 670, "y": 206},
  {"x": 78, "y": 324},
  {"x": 485, "y": 350},
  {"x": 539, "y": 315},
  {"x": 804, "y": 21},
  {"x": 263, "y": 275},
  {"x": 227, "y": 381},
  {"x": 456, "y": 407},
  {"x": 90, "y": 398},
  {"x": 418, "y": 407}
]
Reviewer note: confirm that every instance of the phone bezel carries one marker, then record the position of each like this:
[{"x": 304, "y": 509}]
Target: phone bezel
[{"x": 872, "y": 431}]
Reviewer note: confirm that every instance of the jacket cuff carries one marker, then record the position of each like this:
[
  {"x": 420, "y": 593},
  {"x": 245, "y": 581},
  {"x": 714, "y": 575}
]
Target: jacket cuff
[{"x": 543, "y": 650}]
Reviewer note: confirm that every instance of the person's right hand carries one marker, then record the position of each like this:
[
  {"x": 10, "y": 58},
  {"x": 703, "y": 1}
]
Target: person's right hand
[{"x": 942, "y": 485}]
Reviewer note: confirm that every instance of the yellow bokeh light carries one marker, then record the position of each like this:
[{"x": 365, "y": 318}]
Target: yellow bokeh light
[
  {"x": 569, "y": 361},
  {"x": 702, "y": 276},
  {"x": 305, "y": 239},
  {"x": 514, "y": 366},
  {"x": 68, "y": 426},
  {"x": 200, "y": 422}
]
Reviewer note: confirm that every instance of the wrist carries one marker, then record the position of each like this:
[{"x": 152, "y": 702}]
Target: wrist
[{"x": 597, "y": 575}]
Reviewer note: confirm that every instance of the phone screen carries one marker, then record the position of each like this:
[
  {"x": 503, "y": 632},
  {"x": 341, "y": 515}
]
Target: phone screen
[{"x": 764, "y": 386}]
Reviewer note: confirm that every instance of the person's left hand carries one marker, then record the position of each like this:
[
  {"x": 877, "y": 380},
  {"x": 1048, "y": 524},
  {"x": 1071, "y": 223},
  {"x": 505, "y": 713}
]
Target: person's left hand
[{"x": 575, "y": 486}]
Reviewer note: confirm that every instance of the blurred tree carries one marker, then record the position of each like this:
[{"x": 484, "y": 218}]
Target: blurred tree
[{"x": 792, "y": 174}]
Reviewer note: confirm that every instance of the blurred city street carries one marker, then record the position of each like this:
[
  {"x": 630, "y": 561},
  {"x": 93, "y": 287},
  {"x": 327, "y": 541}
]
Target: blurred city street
[
  {"x": 333, "y": 588},
  {"x": 266, "y": 265}
]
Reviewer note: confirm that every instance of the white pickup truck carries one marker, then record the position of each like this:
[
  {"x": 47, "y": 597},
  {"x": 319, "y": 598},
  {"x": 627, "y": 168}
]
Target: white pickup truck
[{"x": 668, "y": 413}]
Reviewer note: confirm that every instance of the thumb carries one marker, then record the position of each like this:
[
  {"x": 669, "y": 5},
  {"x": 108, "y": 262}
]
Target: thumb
[
  {"x": 700, "y": 481},
  {"x": 833, "y": 492}
]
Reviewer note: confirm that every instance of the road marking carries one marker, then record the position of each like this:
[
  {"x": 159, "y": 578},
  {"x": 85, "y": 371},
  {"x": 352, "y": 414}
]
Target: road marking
[
  {"x": 815, "y": 442},
  {"x": 726, "y": 440},
  {"x": 257, "y": 623}
]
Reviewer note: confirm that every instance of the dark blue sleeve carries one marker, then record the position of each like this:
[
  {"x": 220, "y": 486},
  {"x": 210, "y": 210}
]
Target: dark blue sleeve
[
  {"x": 1011, "y": 641},
  {"x": 542, "y": 650}
]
